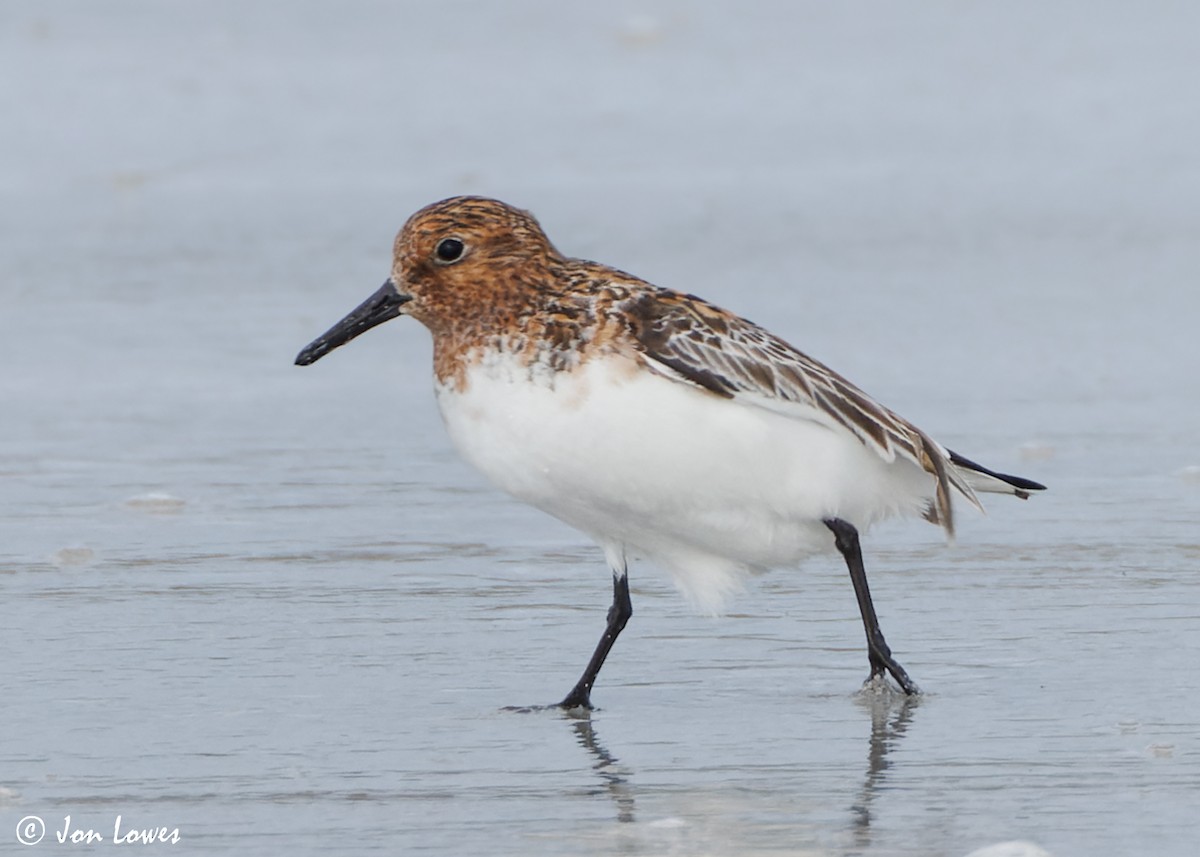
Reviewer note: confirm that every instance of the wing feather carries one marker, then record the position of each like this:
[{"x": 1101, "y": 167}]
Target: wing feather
[{"x": 691, "y": 341}]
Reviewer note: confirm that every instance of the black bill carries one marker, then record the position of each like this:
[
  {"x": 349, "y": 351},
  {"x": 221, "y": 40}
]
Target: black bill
[{"x": 383, "y": 305}]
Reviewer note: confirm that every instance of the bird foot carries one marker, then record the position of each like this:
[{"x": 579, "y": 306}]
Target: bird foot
[
  {"x": 575, "y": 702},
  {"x": 877, "y": 682}
]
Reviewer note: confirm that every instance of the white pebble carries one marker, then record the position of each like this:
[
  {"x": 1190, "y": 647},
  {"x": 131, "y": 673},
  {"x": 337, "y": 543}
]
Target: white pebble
[
  {"x": 73, "y": 556},
  {"x": 1015, "y": 848},
  {"x": 1191, "y": 473},
  {"x": 1035, "y": 450},
  {"x": 641, "y": 30},
  {"x": 155, "y": 502}
]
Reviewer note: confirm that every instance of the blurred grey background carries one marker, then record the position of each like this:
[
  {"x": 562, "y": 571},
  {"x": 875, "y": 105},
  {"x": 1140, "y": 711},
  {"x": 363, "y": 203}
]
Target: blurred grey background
[{"x": 268, "y": 605}]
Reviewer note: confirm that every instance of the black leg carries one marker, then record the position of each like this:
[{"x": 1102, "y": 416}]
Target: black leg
[
  {"x": 622, "y": 608},
  {"x": 846, "y": 538}
]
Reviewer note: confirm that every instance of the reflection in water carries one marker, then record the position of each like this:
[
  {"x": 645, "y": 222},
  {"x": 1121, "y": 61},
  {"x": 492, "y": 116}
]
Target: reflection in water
[
  {"x": 890, "y": 715},
  {"x": 610, "y": 771}
]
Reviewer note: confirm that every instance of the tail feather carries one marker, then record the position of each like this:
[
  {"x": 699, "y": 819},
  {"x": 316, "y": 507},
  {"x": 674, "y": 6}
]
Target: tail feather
[{"x": 982, "y": 479}]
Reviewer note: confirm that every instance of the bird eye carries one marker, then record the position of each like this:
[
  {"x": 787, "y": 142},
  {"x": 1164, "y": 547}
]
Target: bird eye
[{"x": 449, "y": 250}]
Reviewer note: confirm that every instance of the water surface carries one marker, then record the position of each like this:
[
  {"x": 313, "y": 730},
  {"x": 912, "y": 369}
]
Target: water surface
[{"x": 268, "y": 607}]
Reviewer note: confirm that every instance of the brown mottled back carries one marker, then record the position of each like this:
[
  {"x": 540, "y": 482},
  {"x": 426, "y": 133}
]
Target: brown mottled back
[{"x": 511, "y": 291}]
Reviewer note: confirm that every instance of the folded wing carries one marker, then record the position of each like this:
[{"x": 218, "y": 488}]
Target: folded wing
[{"x": 691, "y": 341}]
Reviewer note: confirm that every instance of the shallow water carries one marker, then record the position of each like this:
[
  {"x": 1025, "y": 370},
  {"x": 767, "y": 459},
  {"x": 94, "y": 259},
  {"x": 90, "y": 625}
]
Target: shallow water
[{"x": 268, "y": 606}]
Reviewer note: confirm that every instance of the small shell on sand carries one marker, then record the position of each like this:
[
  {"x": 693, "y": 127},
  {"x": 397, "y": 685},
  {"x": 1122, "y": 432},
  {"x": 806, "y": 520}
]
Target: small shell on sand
[
  {"x": 155, "y": 502},
  {"x": 73, "y": 556}
]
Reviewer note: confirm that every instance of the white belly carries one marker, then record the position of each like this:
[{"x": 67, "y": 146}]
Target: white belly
[{"x": 707, "y": 487}]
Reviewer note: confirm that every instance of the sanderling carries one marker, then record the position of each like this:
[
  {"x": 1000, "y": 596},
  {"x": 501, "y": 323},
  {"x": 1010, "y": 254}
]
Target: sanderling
[{"x": 656, "y": 423}]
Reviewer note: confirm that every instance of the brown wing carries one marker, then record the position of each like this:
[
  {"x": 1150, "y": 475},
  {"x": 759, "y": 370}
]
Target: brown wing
[{"x": 692, "y": 341}]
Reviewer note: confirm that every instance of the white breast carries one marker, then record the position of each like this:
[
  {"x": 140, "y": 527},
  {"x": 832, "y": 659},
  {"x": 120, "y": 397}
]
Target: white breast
[{"x": 707, "y": 487}]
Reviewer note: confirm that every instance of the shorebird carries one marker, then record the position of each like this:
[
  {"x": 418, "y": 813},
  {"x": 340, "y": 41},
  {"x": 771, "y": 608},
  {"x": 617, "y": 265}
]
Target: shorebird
[{"x": 660, "y": 425}]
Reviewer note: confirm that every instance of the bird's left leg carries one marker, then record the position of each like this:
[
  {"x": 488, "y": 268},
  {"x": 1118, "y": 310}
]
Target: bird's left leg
[
  {"x": 618, "y": 614},
  {"x": 878, "y": 652}
]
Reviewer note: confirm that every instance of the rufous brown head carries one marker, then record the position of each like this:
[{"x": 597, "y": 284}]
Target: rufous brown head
[{"x": 454, "y": 260}]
